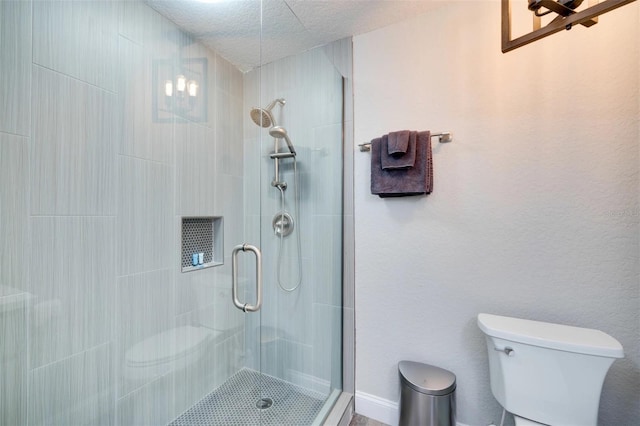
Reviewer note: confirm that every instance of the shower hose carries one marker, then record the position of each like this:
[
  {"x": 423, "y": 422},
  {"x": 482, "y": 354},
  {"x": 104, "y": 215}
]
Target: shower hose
[{"x": 296, "y": 197}]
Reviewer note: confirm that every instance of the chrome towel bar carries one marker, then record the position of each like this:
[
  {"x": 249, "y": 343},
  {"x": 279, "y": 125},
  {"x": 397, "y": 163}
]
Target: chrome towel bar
[{"x": 443, "y": 137}]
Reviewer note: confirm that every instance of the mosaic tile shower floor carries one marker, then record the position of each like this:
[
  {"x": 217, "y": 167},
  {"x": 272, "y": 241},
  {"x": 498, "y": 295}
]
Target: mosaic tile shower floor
[{"x": 234, "y": 403}]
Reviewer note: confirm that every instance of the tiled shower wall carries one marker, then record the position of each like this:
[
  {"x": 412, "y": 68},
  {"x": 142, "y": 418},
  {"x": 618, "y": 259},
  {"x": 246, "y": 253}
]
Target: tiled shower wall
[{"x": 91, "y": 195}]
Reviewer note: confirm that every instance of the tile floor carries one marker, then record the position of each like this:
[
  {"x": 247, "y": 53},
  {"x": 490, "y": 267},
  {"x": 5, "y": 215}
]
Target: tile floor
[
  {"x": 239, "y": 400},
  {"x": 359, "y": 420}
]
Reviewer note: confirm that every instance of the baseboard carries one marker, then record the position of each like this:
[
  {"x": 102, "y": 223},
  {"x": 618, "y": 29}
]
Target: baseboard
[
  {"x": 382, "y": 410},
  {"x": 376, "y": 408}
]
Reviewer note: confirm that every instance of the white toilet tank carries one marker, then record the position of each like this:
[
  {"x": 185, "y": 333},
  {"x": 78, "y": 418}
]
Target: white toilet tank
[{"x": 548, "y": 373}]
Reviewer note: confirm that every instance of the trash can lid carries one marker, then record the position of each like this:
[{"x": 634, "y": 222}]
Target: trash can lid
[{"x": 427, "y": 379}]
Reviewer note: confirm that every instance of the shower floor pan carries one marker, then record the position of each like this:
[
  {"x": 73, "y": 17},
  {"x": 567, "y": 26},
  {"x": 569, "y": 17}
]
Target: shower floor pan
[{"x": 237, "y": 402}]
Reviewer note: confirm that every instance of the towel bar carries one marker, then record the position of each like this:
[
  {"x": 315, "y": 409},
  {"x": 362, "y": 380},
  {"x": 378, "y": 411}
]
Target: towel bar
[{"x": 443, "y": 137}]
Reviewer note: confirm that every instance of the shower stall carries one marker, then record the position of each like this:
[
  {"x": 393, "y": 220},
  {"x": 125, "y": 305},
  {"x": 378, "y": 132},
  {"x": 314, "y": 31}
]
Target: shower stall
[{"x": 171, "y": 235}]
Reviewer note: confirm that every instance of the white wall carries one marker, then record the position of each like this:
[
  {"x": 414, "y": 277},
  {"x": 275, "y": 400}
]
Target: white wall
[{"x": 535, "y": 208}]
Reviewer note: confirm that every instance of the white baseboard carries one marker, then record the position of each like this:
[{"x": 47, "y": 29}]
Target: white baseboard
[{"x": 382, "y": 410}]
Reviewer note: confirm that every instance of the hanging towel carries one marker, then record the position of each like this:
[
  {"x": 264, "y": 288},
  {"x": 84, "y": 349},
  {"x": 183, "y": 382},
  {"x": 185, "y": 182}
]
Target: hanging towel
[
  {"x": 398, "y": 143},
  {"x": 398, "y": 161},
  {"x": 416, "y": 180},
  {"x": 429, "y": 177}
]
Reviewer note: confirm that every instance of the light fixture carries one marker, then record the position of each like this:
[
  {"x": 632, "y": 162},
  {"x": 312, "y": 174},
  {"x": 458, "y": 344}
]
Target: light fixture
[
  {"x": 192, "y": 88},
  {"x": 182, "y": 86},
  {"x": 567, "y": 17},
  {"x": 186, "y": 93},
  {"x": 561, "y": 7},
  {"x": 181, "y": 83},
  {"x": 179, "y": 89}
]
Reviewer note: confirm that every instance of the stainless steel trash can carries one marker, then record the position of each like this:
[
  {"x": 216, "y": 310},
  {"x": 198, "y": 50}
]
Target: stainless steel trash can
[{"x": 428, "y": 395}]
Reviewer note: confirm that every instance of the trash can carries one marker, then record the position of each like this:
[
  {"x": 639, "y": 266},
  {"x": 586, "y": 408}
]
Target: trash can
[{"x": 427, "y": 396}]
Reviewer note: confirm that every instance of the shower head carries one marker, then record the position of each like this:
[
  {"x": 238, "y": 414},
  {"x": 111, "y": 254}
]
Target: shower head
[
  {"x": 262, "y": 116},
  {"x": 280, "y": 132}
]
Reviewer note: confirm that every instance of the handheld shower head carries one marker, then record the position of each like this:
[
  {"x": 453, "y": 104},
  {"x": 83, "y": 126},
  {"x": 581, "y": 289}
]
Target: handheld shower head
[
  {"x": 263, "y": 116},
  {"x": 280, "y": 132}
]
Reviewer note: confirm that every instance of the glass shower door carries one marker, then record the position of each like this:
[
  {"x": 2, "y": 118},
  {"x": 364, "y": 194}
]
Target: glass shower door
[{"x": 293, "y": 174}]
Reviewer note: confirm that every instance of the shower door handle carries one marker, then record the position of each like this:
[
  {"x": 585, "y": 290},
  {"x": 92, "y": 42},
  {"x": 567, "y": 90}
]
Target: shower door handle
[{"x": 234, "y": 278}]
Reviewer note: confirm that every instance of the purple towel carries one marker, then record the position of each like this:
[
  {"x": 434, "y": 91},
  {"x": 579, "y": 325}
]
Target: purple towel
[
  {"x": 401, "y": 161},
  {"x": 417, "y": 180},
  {"x": 398, "y": 143}
]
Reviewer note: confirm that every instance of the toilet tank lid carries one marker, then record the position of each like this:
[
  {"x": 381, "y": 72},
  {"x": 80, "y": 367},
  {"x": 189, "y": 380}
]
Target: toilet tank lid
[{"x": 548, "y": 335}]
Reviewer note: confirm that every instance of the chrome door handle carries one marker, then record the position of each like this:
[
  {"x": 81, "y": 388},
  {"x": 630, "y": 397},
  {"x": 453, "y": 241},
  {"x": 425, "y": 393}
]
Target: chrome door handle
[{"x": 245, "y": 307}]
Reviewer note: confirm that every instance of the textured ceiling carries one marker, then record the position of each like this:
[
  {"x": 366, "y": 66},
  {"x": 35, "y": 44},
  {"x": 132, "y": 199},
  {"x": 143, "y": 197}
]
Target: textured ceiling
[{"x": 232, "y": 27}]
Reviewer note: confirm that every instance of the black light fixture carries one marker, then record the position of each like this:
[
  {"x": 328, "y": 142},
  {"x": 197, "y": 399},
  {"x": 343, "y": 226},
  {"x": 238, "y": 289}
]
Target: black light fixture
[
  {"x": 561, "y": 7},
  {"x": 568, "y": 16}
]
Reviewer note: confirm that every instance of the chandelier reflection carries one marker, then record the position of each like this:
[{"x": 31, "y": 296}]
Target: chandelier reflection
[
  {"x": 182, "y": 86},
  {"x": 180, "y": 90}
]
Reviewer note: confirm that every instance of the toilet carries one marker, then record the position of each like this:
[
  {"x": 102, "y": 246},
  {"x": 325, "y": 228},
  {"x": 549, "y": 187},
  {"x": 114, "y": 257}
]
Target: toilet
[
  {"x": 167, "y": 351},
  {"x": 547, "y": 374},
  {"x": 179, "y": 347}
]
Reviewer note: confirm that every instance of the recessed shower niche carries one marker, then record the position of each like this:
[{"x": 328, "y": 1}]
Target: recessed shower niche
[{"x": 202, "y": 242}]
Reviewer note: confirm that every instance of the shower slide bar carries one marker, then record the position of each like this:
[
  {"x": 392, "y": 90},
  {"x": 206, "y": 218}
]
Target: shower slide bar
[
  {"x": 443, "y": 137},
  {"x": 245, "y": 307}
]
